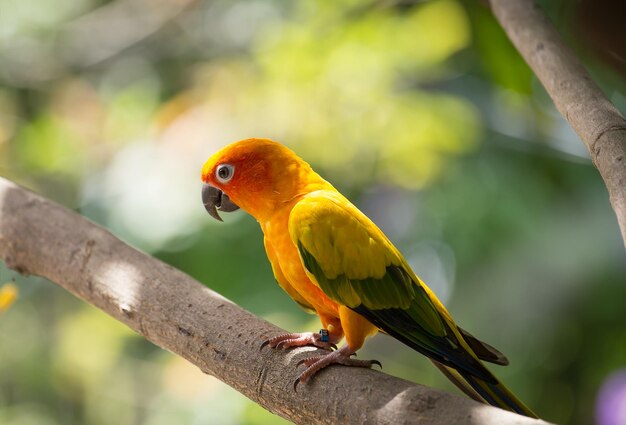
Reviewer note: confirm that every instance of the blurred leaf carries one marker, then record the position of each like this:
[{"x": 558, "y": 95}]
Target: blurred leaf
[
  {"x": 47, "y": 145},
  {"x": 499, "y": 57},
  {"x": 90, "y": 344}
]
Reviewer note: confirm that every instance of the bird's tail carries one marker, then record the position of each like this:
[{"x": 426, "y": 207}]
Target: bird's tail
[{"x": 495, "y": 394}]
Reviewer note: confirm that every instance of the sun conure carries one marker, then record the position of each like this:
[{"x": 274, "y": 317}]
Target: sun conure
[{"x": 333, "y": 260}]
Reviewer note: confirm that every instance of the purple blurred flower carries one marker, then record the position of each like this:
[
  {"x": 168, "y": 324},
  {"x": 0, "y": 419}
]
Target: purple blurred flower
[{"x": 611, "y": 401}]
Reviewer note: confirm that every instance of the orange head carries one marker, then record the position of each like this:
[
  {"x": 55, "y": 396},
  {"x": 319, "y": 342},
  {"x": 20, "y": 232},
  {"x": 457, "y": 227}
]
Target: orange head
[{"x": 258, "y": 175}]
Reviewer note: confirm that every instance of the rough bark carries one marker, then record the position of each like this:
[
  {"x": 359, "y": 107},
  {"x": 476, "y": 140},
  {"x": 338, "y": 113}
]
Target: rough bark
[
  {"x": 599, "y": 124},
  {"x": 179, "y": 314}
]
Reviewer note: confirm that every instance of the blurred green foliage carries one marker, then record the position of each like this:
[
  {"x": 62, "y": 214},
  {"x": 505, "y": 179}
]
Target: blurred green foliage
[{"x": 421, "y": 112}]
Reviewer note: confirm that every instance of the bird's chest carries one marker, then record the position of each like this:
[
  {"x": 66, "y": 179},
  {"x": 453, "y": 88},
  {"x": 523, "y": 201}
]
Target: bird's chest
[{"x": 276, "y": 232}]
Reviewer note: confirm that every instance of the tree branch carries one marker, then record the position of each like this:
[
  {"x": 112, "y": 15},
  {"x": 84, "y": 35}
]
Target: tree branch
[
  {"x": 177, "y": 313},
  {"x": 598, "y": 123}
]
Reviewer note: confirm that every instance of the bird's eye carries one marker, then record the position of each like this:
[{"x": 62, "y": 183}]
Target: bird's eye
[{"x": 224, "y": 173}]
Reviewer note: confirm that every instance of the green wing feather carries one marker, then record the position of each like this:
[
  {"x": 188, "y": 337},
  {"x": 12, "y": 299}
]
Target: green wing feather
[{"x": 354, "y": 264}]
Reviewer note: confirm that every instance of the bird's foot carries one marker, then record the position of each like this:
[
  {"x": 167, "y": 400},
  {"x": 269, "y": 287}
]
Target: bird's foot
[
  {"x": 342, "y": 356},
  {"x": 321, "y": 340}
]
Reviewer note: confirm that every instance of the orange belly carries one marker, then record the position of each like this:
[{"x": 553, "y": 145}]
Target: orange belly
[{"x": 277, "y": 233}]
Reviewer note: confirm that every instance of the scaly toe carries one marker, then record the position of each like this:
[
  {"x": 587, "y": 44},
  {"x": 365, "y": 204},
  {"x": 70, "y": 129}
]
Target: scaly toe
[
  {"x": 309, "y": 361},
  {"x": 342, "y": 356},
  {"x": 274, "y": 341},
  {"x": 286, "y": 343},
  {"x": 347, "y": 361}
]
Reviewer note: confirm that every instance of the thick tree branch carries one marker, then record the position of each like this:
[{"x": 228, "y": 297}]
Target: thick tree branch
[
  {"x": 598, "y": 123},
  {"x": 177, "y": 313}
]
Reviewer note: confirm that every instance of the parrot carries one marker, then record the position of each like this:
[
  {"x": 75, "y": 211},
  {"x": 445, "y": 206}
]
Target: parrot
[{"x": 332, "y": 260}]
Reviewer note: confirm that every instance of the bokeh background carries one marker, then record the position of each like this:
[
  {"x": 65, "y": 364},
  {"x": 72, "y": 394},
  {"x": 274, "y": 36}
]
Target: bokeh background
[{"x": 421, "y": 112}]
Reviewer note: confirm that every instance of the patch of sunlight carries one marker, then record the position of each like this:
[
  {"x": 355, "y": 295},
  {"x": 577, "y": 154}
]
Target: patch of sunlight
[
  {"x": 221, "y": 404},
  {"x": 123, "y": 280},
  {"x": 291, "y": 354},
  {"x": 195, "y": 129},
  {"x": 184, "y": 381},
  {"x": 89, "y": 344},
  {"x": 150, "y": 193},
  {"x": 5, "y": 188},
  {"x": 389, "y": 412},
  {"x": 482, "y": 413}
]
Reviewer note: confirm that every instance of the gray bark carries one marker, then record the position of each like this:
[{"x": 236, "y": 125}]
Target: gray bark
[
  {"x": 599, "y": 124},
  {"x": 179, "y": 314}
]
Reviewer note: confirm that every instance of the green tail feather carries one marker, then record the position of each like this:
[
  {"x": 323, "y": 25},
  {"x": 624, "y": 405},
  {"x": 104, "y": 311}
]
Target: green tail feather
[{"x": 495, "y": 394}]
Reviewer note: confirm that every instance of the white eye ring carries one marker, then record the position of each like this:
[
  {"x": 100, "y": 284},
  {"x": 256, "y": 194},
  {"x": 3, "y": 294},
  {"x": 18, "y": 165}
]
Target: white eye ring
[{"x": 224, "y": 173}]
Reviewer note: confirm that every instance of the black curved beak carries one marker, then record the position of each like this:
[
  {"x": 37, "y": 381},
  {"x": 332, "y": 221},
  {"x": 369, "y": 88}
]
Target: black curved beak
[{"x": 214, "y": 199}]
